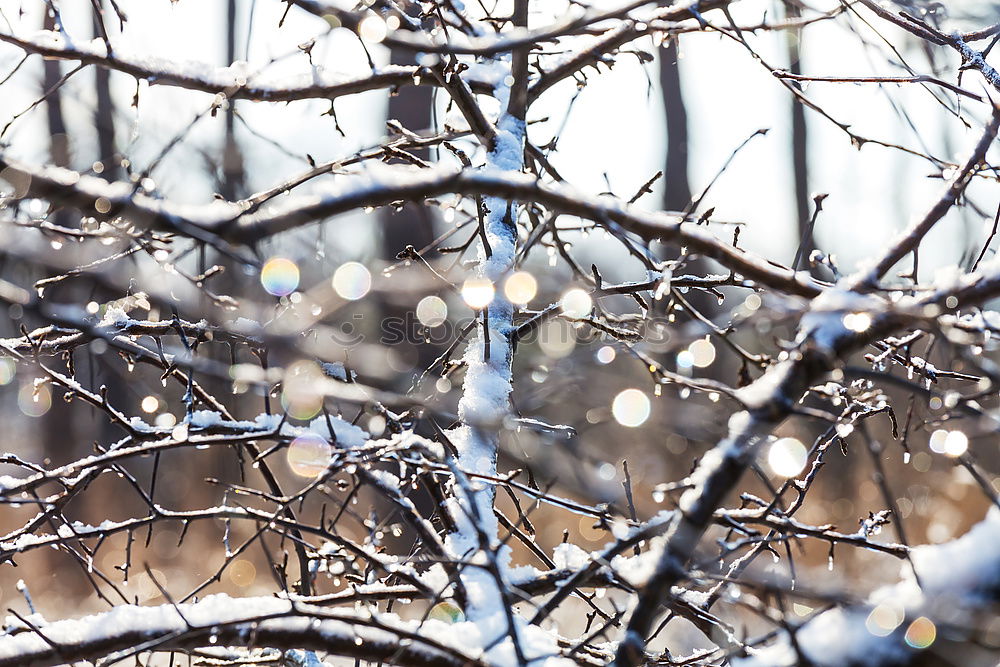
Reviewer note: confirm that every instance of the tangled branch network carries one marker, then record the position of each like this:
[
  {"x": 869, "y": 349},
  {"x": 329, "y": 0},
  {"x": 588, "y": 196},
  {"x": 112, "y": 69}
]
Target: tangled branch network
[{"x": 276, "y": 448}]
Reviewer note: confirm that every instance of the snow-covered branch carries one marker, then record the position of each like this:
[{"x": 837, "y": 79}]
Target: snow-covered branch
[
  {"x": 958, "y": 591},
  {"x": 235, "y": 82},
  {"x": 220, "y": 620},
  {"x": 225, "y": 221}
]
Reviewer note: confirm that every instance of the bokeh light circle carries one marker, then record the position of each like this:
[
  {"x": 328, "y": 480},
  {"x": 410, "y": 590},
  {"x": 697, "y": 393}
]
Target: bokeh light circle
[
  {"x": 34, "y": 400},
  {"x": 8, "y": 370},
  {"x": 308, "y": 455},
  {"x": 520, "y": 287},
  {"x": 373, "y": 29},
  {"x": 702, "y": 353},
  {"x": 921, "y": 633},
  {"x": 884, "y": 619},
  {"x": 478, "y": 292},
  {"x": 606, "y": 354},
  {"x": 631, "y": 408},
  {"x": 280, "y": 276},
  {"x": 857, "y": 322},
  {"x": 576, "y": 303},
  {"x": 787, "y": 457},
  {"x": 302, "y": 390},
  {"x": 432, "y": 311},
  {"x": 352, "y": 281},
  {"x": 446, "y": 612},
  {"x": 242, "y": 573},
  {"x": 951, "y": 443}
]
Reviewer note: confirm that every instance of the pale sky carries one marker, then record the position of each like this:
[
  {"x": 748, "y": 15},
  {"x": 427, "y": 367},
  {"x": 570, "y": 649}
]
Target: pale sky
[{"x": 615, "y": 127}]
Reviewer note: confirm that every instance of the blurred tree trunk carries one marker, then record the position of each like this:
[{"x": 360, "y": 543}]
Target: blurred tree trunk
[
  {"x": 676, "y": 189},
  {"x": 104, "y": 125},
  {"x": 233, "y": 185},
  {"x": 233, "y": 177},
  {"x": 104, "y": 116},
  {"x": 676, "y": 186},
  {"x": 800, "y": 145},
  {"x": 109, "y": 367},
  {"x": 61, "y": 433},
  {"x": 57, "y": 432},
  {"x": 58, "y": 139},
  {"x": 412, "y": 107}
]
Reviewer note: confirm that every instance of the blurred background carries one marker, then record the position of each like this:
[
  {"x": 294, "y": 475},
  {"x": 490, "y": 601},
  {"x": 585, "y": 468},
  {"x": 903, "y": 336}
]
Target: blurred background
[{"x": 684, "y": 108}]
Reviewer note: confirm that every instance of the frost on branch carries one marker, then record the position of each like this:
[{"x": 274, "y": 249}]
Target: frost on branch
[{"x": 959, "y": 585}]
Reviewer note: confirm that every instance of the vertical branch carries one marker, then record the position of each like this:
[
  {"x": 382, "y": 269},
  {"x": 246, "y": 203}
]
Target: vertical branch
[
  {"x": 800, "y": 146},
  {"x": 61, "y": 432},
  {"x": 52, "y": 73},
  {"x": 232, "y": 158},
  {"x": 104, "y": 115},
  {"x": 517, "y": 106},
  {"x": 487, "y": 386},
  {"x": 676, "y": 188},
  {"x": 411, "y": 107}
]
